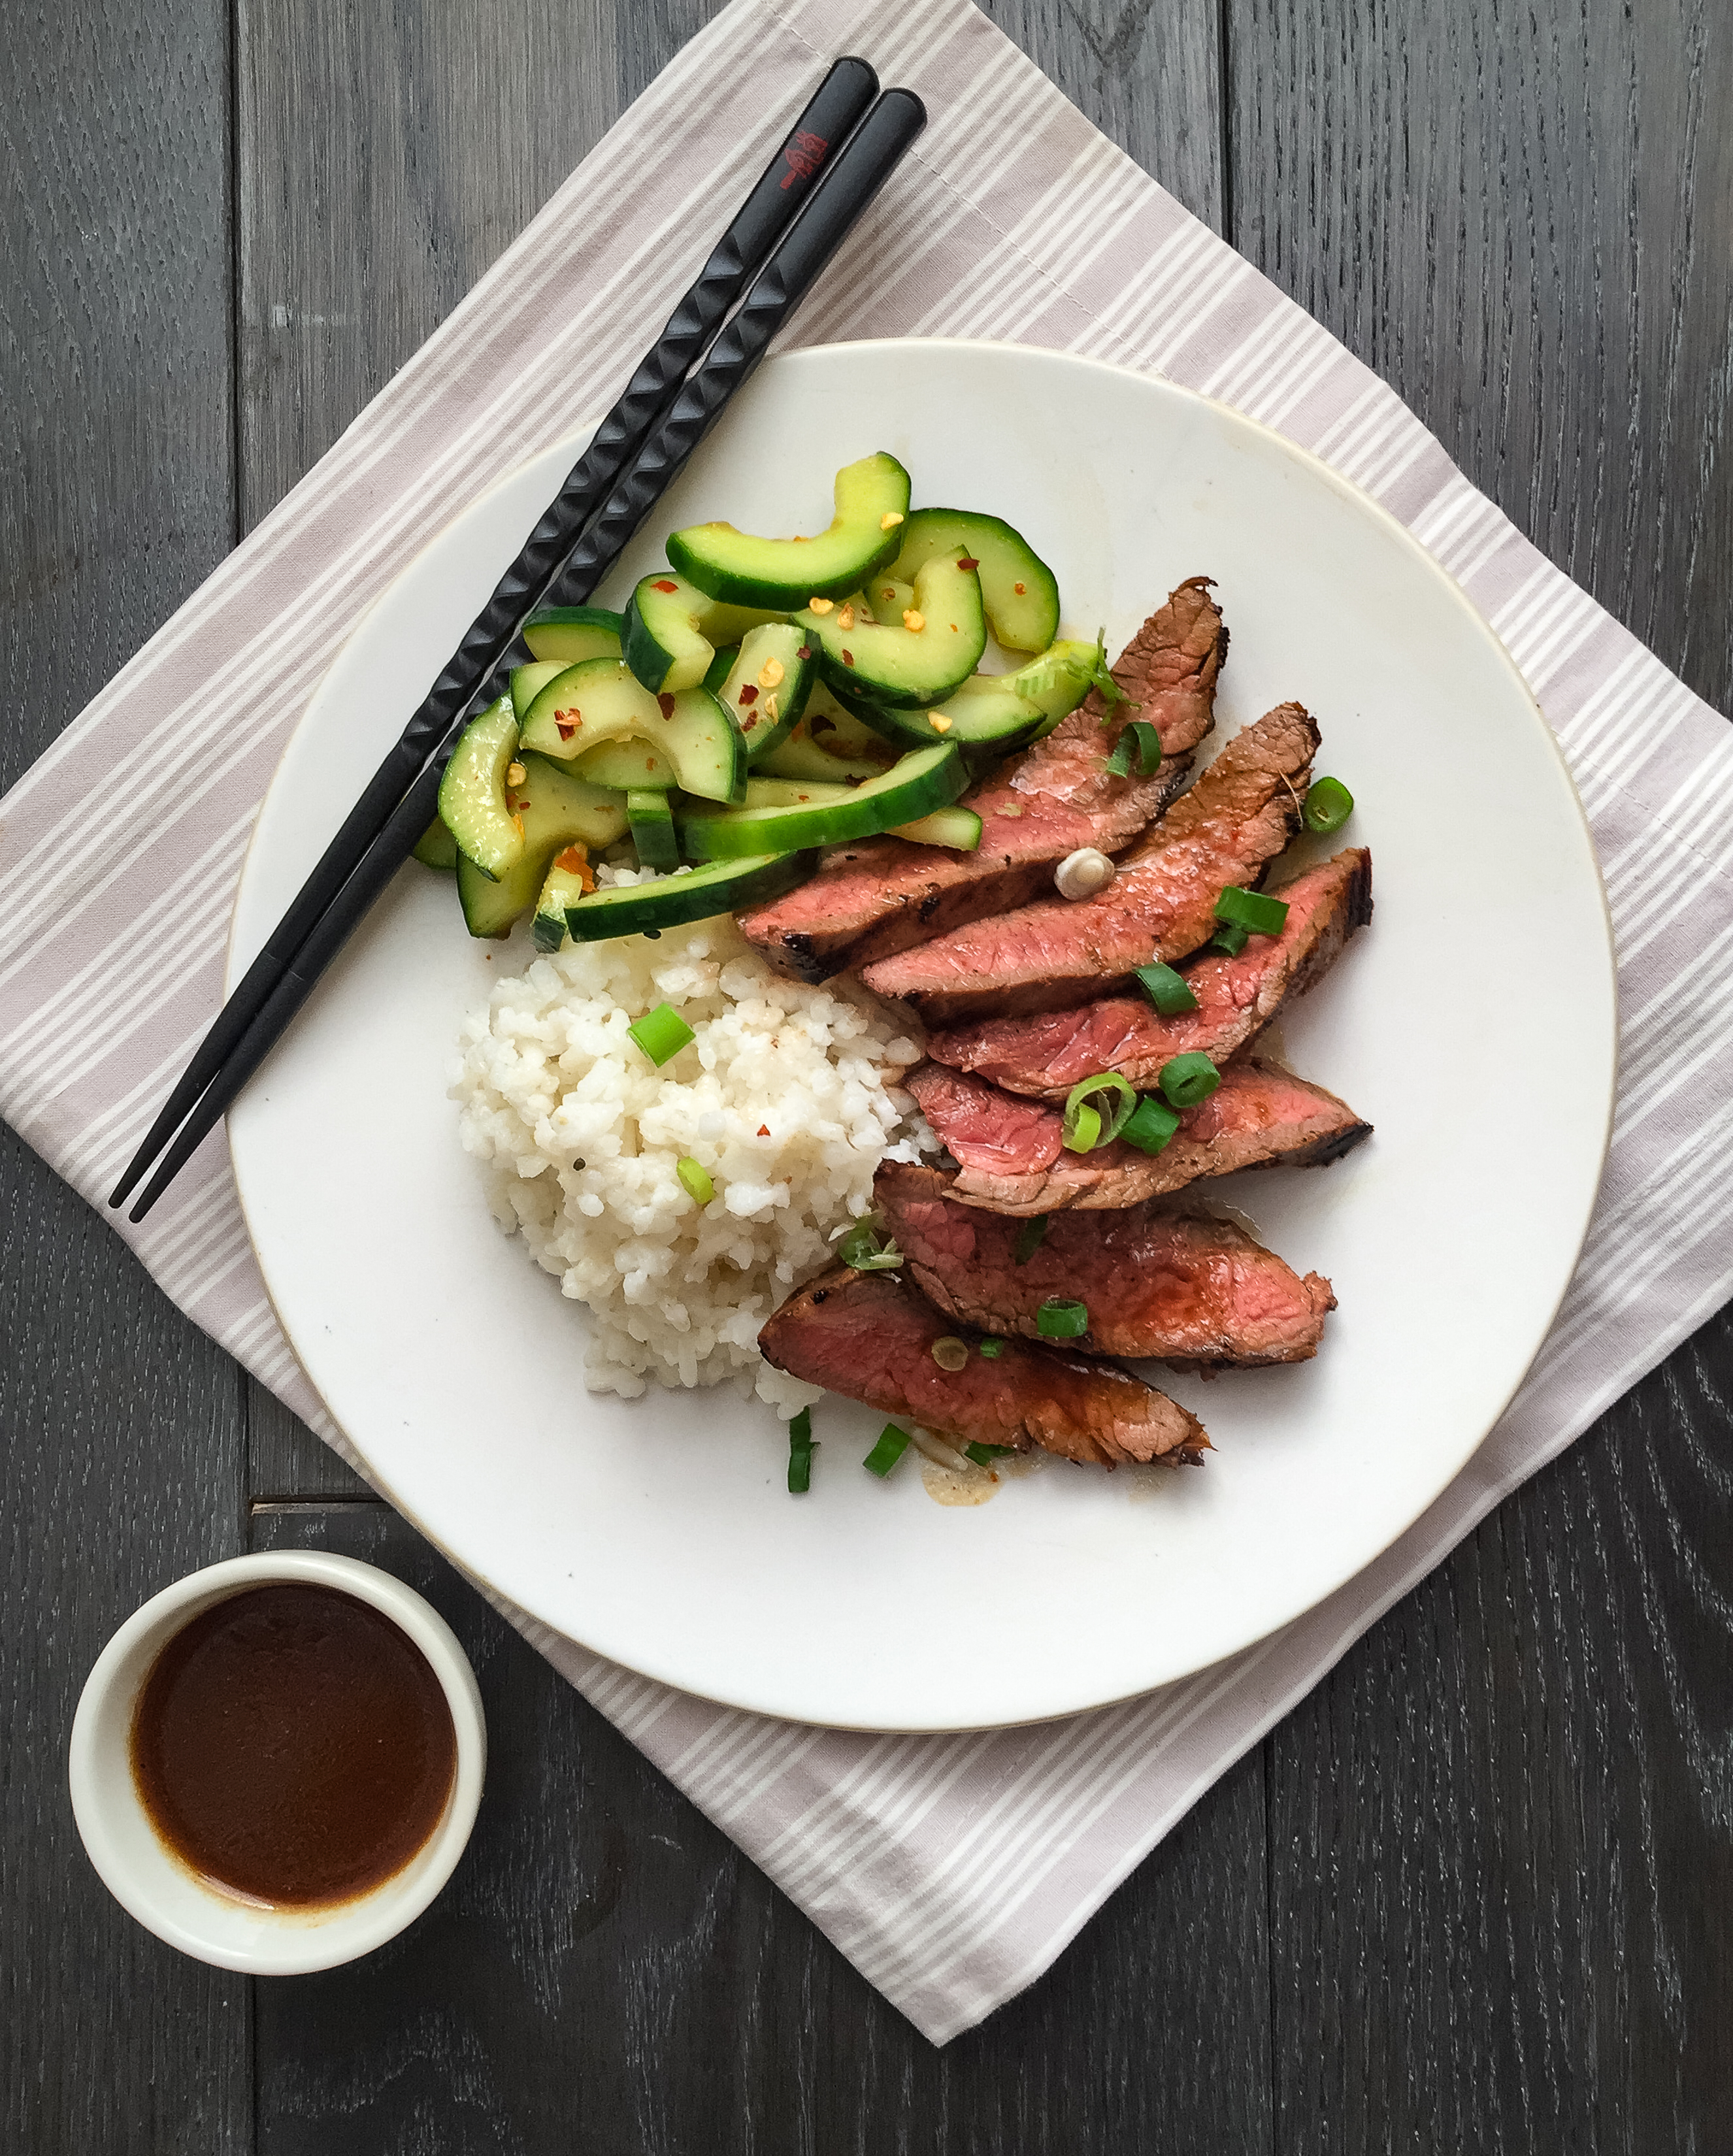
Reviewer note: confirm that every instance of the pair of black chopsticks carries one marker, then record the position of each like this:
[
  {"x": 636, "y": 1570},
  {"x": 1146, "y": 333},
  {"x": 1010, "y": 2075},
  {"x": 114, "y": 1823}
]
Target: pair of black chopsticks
[{"x": 786, "y": 231}]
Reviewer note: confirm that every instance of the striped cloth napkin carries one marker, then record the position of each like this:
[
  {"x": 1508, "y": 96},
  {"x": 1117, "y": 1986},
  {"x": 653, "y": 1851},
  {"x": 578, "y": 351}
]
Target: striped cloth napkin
[{"x": 951, "y": 1871}]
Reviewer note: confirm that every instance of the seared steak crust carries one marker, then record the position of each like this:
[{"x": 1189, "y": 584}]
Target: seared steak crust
[
  {"x": 1155, "y": 1283},
  {"x": 1047, "y": 1053},
  {"x": 1058, "y": 951},
  {"x": 879, "y": 896},
  {"x": 1010, "y": 1157},
  {"x": 869, "y": 1337}
]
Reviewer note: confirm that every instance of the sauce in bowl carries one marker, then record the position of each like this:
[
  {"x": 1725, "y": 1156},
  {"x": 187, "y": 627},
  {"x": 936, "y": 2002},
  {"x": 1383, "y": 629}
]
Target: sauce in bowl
[{"x": 292, "y": 1746}]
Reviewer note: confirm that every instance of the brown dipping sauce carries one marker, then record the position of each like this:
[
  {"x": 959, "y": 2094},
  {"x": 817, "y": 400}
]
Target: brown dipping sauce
[{"x": 291, "y": 1746}]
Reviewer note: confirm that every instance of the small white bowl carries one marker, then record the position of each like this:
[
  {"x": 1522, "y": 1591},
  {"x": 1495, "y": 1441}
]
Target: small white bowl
[{"x": 154, "y": 1886}]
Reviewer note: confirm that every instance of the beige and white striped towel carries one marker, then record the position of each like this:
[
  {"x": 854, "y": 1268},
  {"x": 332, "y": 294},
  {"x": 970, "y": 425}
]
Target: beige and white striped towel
[{"x": 950, "y": 1869}]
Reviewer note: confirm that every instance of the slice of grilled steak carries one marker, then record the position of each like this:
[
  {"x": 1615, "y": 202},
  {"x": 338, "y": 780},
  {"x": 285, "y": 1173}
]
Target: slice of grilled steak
[
  {"x": 869, "y": 1337},
  {"x": 1044, "y": 1054},
  {"x": 1011, "y": 1155},
  {"x": 1060, "y": 952},
  {"x": 1155, "y": 1283},
  {"x": 881, "y": 896}
]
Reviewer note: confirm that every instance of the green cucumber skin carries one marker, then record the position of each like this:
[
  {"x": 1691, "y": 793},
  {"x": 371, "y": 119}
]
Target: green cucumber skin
[
  {"x": 901, "y": 667},
  {"x": 573, "y": 633},
  {"x": 931, "y": 778},
  {"x": 781, "y": 641},
  {"x": 558, "y": 810},
  {"x": 436, "y": 848},
  {"x": 472, "y": 792},
  {"x": 1021, "y": 621},
  {"x": 652, "y": 822},
  {"x": 782, "y": 574},
  {"x": 661, "y": 641},
  {"x": 670, "y": 901}
]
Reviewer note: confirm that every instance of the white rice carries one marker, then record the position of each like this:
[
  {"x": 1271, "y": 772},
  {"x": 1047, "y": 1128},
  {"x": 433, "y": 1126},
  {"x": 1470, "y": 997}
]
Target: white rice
[{"x": 787, "y": 1098}]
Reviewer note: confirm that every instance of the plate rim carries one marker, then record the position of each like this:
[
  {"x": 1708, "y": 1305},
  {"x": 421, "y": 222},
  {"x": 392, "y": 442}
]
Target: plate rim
[{"x": 574, "y": 441}]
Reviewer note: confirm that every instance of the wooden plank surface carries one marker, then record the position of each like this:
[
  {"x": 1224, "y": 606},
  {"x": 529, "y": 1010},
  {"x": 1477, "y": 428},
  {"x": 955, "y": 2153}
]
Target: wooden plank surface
[
  {"x": 1473, "y": 1894},
  {"x": 121, "y": 1423}
]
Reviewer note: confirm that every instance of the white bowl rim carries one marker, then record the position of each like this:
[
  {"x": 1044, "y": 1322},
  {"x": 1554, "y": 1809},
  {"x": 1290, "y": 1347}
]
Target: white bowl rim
[{"x": 281, "y": 1942}]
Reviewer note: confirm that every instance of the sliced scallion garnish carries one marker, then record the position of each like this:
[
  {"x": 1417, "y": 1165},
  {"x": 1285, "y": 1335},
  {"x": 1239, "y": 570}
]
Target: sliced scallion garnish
[
  {"x": 1230, "y": 939},
  {"x": 1089, "y": 1120},
  {"x": 1166, "y": 989},
  {"x": 661, "y": 1034},
  {"x": 892, "y": 1443},
  {"x": 1329, "y": 805},
  {"x": 866, "y": 1249},
  {"x": 1111, "y": 694},
  {"x": 984, "y": 1456},
  {"x": 695, "y": 1180},
  {"x": 1150, "y": 1125},
  {"x": 1186, "y": 1079},
  {"x": 1061, "y": 1319},
  {"x": 992, "y": 1349},
  {"x": 1254, "y": 911},
  {"x": 800, "y": 1453},
  {"x": 1030, "y": 1238},
  {"x": 1138, "y": 744}
]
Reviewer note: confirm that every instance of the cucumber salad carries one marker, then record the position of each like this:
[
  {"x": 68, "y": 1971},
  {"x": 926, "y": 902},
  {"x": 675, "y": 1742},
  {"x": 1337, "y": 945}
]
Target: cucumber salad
[{"x": 759, "y": 699}]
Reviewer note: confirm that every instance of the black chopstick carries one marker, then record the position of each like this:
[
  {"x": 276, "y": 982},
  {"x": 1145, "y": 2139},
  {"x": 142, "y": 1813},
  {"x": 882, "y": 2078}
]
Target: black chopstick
[
  {"x": 843, "y": 193},
  {"x": 781, "y": 192}
]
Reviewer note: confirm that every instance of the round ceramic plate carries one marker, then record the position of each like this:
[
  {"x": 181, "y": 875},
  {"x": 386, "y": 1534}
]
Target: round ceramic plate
[{"x": 1472, "y": 1024}]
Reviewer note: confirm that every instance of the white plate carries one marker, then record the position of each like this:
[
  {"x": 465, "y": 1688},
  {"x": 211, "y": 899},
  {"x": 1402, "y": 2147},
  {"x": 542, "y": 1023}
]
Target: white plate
[{"x": 1473, "y": 1025}]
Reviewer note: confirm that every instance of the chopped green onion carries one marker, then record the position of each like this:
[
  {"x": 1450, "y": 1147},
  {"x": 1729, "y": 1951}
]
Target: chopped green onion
[
  {"x": 1059, "y": 1319},
  {"x": 1186, "y": 1079},
  {"x": 949, "y": 1352},
  {"x": 1230, "y": 939},
  {"x": 1152, "y": 1126},
  {"x": 1106, "y": 686},
  {"x": 984, "y": 1456},
  {"x": 1083, "y": 1130},
  {"x": 1086, "y": 1127},
  {"x": 866, "y": 1249},
  {"x": 1329, "y": 805},
  {"x": 992, "y": 1349},
  {"x": 695, "y": 1180},
  {"x": 1030, "y": 1238},
  {"x": 662, "y": 1033},
  {"x": 1139, "y": 743},
  {"x": 1253, "y": 910},
  {"x": 1120, "y": 755},
  {"x": 1166, "y": 989},
  {"x": 800, "y": 1453},
  {"x": 892, "y": 1443}
]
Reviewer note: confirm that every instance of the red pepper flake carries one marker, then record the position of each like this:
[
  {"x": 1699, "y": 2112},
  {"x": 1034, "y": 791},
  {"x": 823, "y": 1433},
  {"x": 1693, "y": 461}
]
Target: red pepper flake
[
  {"x": 749, "y": 692},
  {"x": 666, "y": 703},
  {"x": 667, "y": 584},
  {"x": 566, "y": 727},
  {"x": 964, "y": 562},
  {"x": 804, "y": 652},
  {"x": 848, "y": 659},
  {"x": 764, "y": 1130}
]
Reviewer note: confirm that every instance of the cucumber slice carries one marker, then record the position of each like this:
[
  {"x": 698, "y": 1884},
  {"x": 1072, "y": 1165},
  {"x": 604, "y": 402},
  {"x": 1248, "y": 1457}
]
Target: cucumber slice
[
  {"x": 564, "y": 886},
  {"x": 598, "y": 701},
  {"x": 693, "y": 894},
  {"x": 573, "y": 633},
  {"x": 472, "y": 792},
  {"x": 872, "y": 502},
  {"x": 1001, "y": 712},
  {"x": 899, "y": 665},
  {"x": 958, "y": 829},
  {"x": 436, "y": 848},
  {"x": 885, "y": 600},
  {"x": 633, "y": 766},
  {"x": 1018, "y": 588},
  {"x": 800, "y": 757},
  {"x": 554, "y": 811},
  {"x": 766, "y": 689},
  {"x": 930, "y": 778},
  {"x": 672, "y": 631},
  {"x": 1061, "y": 678},
  {"x": 528, "y": 682},
  {"x": 652, "y": 822}
]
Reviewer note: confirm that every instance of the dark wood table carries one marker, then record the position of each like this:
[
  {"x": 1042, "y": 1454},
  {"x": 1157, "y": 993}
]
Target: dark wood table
[{"x": 1477, "y": 1893}]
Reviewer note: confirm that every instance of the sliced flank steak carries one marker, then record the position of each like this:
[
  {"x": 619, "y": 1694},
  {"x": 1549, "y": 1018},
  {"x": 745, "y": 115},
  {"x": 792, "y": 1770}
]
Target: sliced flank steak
[
  {"x": 881, "y": 896},
  {"x": 1060, "y": 952},
  {"x": 1011, "y": 1155},
  {"x": 1047, "y": 1053},
  {"x": 1155, "y": 1283},
  {"x": 869, "y": 1336}
]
